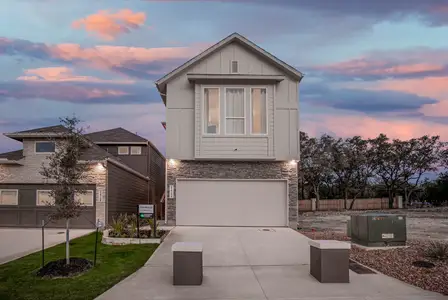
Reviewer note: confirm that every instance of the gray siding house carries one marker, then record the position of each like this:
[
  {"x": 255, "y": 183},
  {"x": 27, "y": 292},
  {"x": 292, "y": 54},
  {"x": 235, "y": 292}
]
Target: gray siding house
[
  {"x": 232, "y": 134},
  {"x": 113, "y": 186}
]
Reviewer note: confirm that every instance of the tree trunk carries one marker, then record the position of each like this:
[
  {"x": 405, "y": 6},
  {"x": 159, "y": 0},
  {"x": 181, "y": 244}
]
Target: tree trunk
[
  {"x": 67, "y": 241},
  {"x": 353, "y": 203},
  {"x": 391, "y": 199},
  {"x": 346, "y": 198}
]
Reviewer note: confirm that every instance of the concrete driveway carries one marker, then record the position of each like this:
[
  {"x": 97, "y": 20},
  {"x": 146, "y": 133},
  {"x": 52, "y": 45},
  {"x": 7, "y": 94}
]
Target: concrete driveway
[
  {"x": 248, "y": 263},
  {"x": 18, "y": 242}
]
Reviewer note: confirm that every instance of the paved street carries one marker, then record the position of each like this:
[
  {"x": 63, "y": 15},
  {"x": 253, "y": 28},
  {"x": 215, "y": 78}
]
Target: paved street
[
  {"x": 248, "y": 263},
  {"x": 18, "y": 242}
]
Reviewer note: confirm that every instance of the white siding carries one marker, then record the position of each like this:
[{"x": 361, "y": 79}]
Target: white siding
[{"x": 185, "y": 138}]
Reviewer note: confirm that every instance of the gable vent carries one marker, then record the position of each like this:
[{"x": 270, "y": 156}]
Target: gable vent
[{"x": 234, "y": 66}]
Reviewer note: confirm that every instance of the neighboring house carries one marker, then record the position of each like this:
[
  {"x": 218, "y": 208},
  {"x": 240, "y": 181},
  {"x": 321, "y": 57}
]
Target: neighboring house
[
  {"x": 139, "y": 154},
  {"x": 232, "y": 138},
  {"x": 113, "y": 185}
]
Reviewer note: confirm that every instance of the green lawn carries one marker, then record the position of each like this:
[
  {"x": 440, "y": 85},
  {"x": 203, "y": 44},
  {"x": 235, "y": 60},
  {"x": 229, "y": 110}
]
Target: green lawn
[{"x": 114, "y": 263}]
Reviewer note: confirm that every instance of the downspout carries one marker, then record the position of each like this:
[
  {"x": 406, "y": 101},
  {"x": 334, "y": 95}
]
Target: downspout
[{"x": 166, "y": 185}]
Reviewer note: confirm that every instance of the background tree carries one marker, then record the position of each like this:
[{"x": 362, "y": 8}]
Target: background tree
[
  {"x": 65, "y": 172},
  {"x": 314, "y": 163},
  {"x": 423, "y": 156}
]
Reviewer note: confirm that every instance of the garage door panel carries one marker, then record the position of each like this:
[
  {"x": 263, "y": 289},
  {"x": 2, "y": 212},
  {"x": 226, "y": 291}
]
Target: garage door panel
[{"x": 231, "y": 203}]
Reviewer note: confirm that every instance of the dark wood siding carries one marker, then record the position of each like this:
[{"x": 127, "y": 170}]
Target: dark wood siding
[
  {"x": 136, "y": 162},
  {"x": 125, "y": 191},
  {"x": 157, "y": 178},
  {"x": 28, "y": 214}
]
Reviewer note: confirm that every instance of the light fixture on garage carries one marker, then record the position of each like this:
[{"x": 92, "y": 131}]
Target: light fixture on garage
[
  {"x": 172, "y": 162},
  {"x": 293, "y": 162},
  {"x": 100, "y": 166}
]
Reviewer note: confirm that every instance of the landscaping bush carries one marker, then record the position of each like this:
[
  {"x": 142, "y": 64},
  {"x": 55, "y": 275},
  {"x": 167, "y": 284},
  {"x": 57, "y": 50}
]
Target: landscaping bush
[
  {"x": 437, "y": 250},
  {"x": 125, "y": 226}
]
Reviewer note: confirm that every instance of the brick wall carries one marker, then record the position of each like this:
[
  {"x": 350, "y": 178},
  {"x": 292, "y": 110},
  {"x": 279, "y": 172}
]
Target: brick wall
[{"x": 234, "y": 170}]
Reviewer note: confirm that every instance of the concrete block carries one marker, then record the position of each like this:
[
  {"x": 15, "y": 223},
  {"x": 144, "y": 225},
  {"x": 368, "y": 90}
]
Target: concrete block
[
  {"x": 329, "y": 261},
  {"x": 187, "y": 263}
]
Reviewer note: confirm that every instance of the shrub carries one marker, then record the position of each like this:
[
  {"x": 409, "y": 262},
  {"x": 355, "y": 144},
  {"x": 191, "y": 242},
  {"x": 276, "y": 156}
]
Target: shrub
[
  {"x": 437, "y": 250},
  {"x": 119, "y": 225}
]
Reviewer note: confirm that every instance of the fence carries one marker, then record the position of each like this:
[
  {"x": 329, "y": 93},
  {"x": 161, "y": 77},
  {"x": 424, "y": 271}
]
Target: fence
[{"x": 338, "y": 204}]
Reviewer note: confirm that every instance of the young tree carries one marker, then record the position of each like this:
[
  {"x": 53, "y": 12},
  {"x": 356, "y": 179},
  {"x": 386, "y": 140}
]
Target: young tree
[{"x": 65, "y": 171}]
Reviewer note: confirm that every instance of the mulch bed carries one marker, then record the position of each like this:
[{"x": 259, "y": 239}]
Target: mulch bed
[
  {"x": 144, "y": 234},
  {"x": 59, "y": 268},
  {"x": 398, "y": 263}
]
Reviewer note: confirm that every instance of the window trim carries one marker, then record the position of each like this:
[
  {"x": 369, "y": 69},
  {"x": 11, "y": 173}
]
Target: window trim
[
  {"x": 35, "y": 147},
  {"x": 204, "y": 132},
  {"x": 93, "y": 198},
  {"x": 237, "y": 67},
  {"x": 136, "y": 147},
  {"x": 118, "y": 150},
  {"x": 267, "y": 111},
  {"x": 37, "y": 198},
  {"x": 238, "y": 118},
  {"x": 10, "y": 190}
]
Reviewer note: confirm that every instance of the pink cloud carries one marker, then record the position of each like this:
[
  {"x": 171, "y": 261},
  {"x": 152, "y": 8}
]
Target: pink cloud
[
  {"x": 369, "y": 127},
  {"x": 63, "y": 74},
  {"x": 362, "y": 66},
  {"x": 108, "y": 26}
]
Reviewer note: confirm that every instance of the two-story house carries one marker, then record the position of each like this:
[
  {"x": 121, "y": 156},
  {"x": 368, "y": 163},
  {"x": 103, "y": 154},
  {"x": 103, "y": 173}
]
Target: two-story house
[
  {"x": 124, "y": 170},
  {"x": 232, "y": 138}
]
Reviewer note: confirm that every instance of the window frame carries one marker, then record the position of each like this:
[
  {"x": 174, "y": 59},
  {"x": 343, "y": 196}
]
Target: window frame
[
  {"x": 37, "y": 198},
  {"x": 35, "y": 147},
  {"x": 237, "y": 67},
  {"x": 93, "y": 198},
  {"x": 136, "y": 147},
  {"x": 118, "y": 150},
  {"x": 238, "y": 118},
  {"x": 9, "y": 190},
  {"x": 203, "y": 120},
  {"x": 267, "y": 111}
]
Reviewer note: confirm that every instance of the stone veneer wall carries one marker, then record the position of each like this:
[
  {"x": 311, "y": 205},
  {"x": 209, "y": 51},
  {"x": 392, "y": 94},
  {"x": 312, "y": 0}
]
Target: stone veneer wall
[{"x": 234, "y": 170}]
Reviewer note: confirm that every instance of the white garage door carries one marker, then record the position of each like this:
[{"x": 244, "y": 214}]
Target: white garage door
[{"x": 231, "y": 203}]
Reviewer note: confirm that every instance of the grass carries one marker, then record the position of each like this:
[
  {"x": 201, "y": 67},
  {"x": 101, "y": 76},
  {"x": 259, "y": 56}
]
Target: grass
[{"x": 114, "y": 263}]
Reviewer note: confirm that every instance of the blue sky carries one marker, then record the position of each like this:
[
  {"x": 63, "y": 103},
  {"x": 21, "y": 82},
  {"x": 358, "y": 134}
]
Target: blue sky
[{"x": 371, "y": 66}]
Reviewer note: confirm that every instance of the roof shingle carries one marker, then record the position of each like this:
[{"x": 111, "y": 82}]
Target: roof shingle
[{"x": 117, "y": 135}]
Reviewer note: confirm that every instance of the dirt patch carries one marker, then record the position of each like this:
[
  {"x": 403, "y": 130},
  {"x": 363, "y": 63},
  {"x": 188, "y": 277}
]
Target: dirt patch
[
  {"x": 399, "y": 263},
  {"x": 58, "y": 268},
  {"x": 421, "y": 223}
]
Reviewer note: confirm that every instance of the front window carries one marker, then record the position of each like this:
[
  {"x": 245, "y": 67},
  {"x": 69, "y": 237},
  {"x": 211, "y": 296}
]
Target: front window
[
  {"x": 211, "y": 110},
  {"x": 44, "y": 198},
  {"x": 85, "y": 198},
  {"x": 258, "y": 113},
  {"x": 9, "y": 197},
  {"x": 235, "y": 111},
  {"x": 45, "y": 147}
]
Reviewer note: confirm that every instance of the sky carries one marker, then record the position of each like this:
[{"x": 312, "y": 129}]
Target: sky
[{"x": 370, "y": 67}]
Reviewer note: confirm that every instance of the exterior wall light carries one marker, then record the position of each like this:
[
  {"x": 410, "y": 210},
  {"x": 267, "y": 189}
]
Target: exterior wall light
[
  {"x": 172, "y": 162},
  {"x": 293, "y": 162}
]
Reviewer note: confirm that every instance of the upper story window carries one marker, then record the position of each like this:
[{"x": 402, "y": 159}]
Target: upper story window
[
  {"x": 211, "y": 110},
  {"x": 123, "y": 150},
  {"x": 235, "y": 111},
  {"x": 233, "y": 66},
  {"x": 45, "y": 147},
  {"x": 259, "y": 121},
  {"x": 9, "y": 197},
  {"x": 136, "y": 150}
]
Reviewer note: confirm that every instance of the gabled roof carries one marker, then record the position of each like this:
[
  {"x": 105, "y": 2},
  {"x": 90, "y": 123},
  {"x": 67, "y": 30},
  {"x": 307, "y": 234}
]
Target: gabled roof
[
  {"x": 116, "y": 135},
  {"x": 49, "y": 129},
  {"x": 161, "y": 83},
  {"x": 12, "y": 155}
]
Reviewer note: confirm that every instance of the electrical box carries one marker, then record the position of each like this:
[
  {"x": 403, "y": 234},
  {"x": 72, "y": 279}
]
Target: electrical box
[{"x": 377, "y": 230}]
